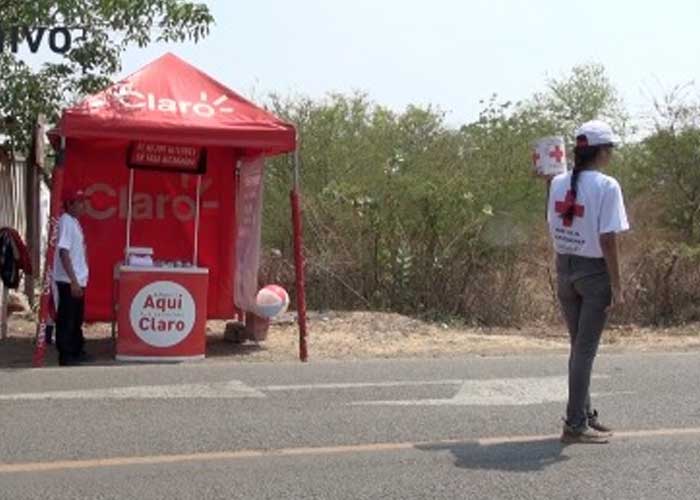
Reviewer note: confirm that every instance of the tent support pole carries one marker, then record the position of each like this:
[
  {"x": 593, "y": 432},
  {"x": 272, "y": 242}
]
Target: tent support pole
[
  {"x": 129, "y": 213},
  {"x": 295, "y": 199},
  {"x": 195, "y": 261},
  {"x": 240, "y": 315}
]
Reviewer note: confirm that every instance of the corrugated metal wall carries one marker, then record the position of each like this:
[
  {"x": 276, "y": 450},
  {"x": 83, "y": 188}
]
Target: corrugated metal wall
[{"x": 12, "y": 196}]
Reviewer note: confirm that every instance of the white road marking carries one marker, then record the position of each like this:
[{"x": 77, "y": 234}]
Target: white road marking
[
  {"x": 490, "y": 392},
  {"x": 496, "y": 392},
  {"x": 358, "y": 385},
  {"x": 223, "y": 390}
]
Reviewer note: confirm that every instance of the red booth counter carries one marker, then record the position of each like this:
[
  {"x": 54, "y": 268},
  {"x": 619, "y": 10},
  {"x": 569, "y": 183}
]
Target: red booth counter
[{"x": 162, "y": 313}]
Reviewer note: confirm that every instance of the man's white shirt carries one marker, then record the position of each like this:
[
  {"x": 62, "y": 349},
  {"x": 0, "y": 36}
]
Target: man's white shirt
[{"x": 71, "y": 238}]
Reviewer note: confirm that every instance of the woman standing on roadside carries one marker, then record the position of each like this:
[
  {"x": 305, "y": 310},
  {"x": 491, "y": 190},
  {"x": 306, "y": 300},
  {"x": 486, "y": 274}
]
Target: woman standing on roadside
[{"x": 585, "y": 213}]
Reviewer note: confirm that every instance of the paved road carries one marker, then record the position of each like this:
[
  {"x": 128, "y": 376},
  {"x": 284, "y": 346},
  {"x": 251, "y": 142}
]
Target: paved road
[{"x": 471, "y": 428}]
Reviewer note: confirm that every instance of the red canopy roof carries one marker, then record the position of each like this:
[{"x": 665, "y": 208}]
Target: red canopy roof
[{"x": 171, "y": 101}]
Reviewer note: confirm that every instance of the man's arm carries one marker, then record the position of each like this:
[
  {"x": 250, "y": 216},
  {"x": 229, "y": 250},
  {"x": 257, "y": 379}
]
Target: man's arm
[{"x": 76, "y": 289}]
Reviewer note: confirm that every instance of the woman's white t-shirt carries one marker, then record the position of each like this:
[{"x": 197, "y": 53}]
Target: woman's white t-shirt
[
  {"x": 598, "y": 209},
  {"x": 71, "y": 238}
]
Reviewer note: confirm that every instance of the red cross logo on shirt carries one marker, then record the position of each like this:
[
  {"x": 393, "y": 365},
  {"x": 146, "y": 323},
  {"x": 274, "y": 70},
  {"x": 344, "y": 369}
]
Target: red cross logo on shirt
[
  {"x": 557, "y": 154},
  {"x": 562, "y": 207}
]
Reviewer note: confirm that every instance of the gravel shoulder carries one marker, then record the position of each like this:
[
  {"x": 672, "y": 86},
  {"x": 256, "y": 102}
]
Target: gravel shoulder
[{"x": 371, "y": 335}]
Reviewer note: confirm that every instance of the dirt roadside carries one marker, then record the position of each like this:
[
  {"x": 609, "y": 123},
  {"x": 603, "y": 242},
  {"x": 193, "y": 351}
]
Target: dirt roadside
[{"x": 364, "y": 335}]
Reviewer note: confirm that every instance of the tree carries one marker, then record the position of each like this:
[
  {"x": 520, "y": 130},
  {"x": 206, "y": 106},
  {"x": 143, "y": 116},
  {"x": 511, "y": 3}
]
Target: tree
[
  {"x": 404, "y": 212},
  {"x": 585, "y": 94},
  {"x": 107, "y": 28},
  {"x": 673, "y": 159},
  {"x": 668, "y": 165}
]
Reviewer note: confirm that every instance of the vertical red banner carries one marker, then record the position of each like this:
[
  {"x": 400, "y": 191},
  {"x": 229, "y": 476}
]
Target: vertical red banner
[
  {"x": 248, "y": 227},
  {"x": 47, "y": 301}
]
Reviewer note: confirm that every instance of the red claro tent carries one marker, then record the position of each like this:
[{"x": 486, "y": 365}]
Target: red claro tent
[{"x": 166, "y": 102}]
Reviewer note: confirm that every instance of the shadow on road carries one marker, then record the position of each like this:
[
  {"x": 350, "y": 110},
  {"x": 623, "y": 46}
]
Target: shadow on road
[{"x": 512, "y": 457}]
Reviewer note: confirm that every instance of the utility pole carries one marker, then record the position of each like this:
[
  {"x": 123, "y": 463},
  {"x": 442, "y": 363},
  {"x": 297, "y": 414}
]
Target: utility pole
[{"x": 35, "y": 162}]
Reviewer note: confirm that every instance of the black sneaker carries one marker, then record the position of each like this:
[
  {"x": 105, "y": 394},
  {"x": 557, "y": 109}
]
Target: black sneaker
[
  {"x": 583, "y": 436},
  {"x": 66, "y": 361},
  {"x": 595, "y": 424},
  {"x": 86, "y": 358}
]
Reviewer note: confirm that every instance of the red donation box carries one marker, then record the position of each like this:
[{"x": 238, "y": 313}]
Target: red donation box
[{"x": 162, "y": 313}]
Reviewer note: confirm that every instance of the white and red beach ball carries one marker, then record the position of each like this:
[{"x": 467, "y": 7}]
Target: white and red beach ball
[{"x": 271, "y": 301}]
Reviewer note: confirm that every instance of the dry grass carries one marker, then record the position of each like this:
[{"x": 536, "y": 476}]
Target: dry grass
[{"x": 363, "y": 335}]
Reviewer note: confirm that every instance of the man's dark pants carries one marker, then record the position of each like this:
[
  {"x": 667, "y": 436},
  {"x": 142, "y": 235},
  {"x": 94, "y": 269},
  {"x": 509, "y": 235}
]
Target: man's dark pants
[
  {"x": 69, "y": 324},
  {"x": 584, "y": 294}
]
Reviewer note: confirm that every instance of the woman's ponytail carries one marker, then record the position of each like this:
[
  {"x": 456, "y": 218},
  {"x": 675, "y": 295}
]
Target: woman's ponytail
[{"x": 584, "y": 156}]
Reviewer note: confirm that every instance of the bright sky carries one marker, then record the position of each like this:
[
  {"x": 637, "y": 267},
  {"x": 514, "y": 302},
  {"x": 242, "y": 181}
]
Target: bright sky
[{"x": 450, "y": 53}]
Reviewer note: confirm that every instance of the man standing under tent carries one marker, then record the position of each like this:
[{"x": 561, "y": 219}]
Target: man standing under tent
[{"x": 71, "y": 274}]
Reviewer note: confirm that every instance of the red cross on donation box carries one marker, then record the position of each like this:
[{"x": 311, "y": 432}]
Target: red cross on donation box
[{"x": 557, "y": 154}]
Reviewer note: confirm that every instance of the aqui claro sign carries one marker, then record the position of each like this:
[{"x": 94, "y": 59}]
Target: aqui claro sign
[
  {"x": 162, "y": 314},
  {"x": 58, "y": 39}
]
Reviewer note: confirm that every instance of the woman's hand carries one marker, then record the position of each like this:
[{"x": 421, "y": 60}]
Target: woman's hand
[
  {"x": 618, "y": 299},
  {"x": 544, "y": 177}
]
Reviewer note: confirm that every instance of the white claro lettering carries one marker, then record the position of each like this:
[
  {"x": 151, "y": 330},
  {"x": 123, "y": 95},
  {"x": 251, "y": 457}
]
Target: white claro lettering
[
  {"x": 132, "y": 99},
  {"x": 145, "y": 206}
]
